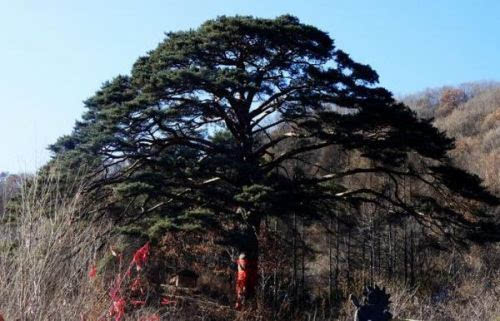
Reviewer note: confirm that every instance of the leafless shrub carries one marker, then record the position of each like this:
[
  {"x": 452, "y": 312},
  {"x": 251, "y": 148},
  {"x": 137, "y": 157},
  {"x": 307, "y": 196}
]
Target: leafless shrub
[
  {"x": 491, "y": 140},
  {"x": 44, "y": 262}
]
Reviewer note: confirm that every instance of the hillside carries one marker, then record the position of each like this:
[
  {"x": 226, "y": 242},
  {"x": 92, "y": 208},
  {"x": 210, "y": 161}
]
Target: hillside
[{"x": 471, "y": 114}]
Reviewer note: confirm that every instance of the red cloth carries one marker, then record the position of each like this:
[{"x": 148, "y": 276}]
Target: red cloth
[{"x": 246, "y": 279}]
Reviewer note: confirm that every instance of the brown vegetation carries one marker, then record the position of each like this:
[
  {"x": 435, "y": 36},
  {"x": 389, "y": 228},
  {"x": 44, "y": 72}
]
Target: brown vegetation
[
  {"x": 43, "y": 270},
  {"x": 471, "y": 114}
]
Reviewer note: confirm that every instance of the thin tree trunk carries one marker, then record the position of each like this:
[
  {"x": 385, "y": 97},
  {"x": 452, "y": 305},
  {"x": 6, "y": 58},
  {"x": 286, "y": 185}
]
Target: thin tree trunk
[
  {"x": 337, "y": 253},
  {"x": 405, "y": 238},
  {"x": 275, "y": 270},
  {"x": 330, "y": 259},
  {"x": 363, "y": 255},
  {"x": 372, "y": 250},
  {"x": 412, "y": 257},
  {"x": 390, "y": 253},
  {"x": 303, "y": 257},
  {"x": 294, "y": 255},
  {"x": 379, "y": 249},
  {"x": 395, "y": 255},
  {"x": 348, "y": 276}
]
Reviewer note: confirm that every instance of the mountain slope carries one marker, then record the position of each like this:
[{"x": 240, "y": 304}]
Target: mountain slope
[{"x": 471, "y": 114}]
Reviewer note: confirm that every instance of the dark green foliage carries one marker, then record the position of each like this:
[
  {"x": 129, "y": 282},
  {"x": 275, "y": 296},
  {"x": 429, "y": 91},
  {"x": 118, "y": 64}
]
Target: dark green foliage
[{"x": 221, "y": 125}]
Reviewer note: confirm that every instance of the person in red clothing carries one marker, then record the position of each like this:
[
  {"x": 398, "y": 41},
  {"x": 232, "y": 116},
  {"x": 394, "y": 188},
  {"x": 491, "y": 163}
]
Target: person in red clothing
[{"x": 246, "y": 279}]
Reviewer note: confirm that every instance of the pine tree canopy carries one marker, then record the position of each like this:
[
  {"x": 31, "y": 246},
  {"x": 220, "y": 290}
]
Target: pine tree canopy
[{"x": 245, "y": 118}]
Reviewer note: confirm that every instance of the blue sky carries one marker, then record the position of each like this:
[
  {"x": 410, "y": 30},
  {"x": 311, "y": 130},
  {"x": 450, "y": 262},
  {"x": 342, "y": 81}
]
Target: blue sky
[{"x": 54, "y": 54}]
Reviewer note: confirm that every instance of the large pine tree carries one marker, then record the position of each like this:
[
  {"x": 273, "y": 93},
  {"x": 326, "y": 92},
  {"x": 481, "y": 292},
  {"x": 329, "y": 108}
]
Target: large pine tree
[{"x": 219, "y": 127}]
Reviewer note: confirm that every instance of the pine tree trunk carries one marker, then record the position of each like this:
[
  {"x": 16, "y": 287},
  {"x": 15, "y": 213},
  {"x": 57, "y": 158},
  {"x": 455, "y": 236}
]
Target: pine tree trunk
[{"x": 248, "y": 263}]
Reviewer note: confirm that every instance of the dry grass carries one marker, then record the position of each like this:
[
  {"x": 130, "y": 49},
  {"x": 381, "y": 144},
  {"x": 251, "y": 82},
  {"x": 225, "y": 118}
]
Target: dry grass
[{"x": 46, "y": 254}]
